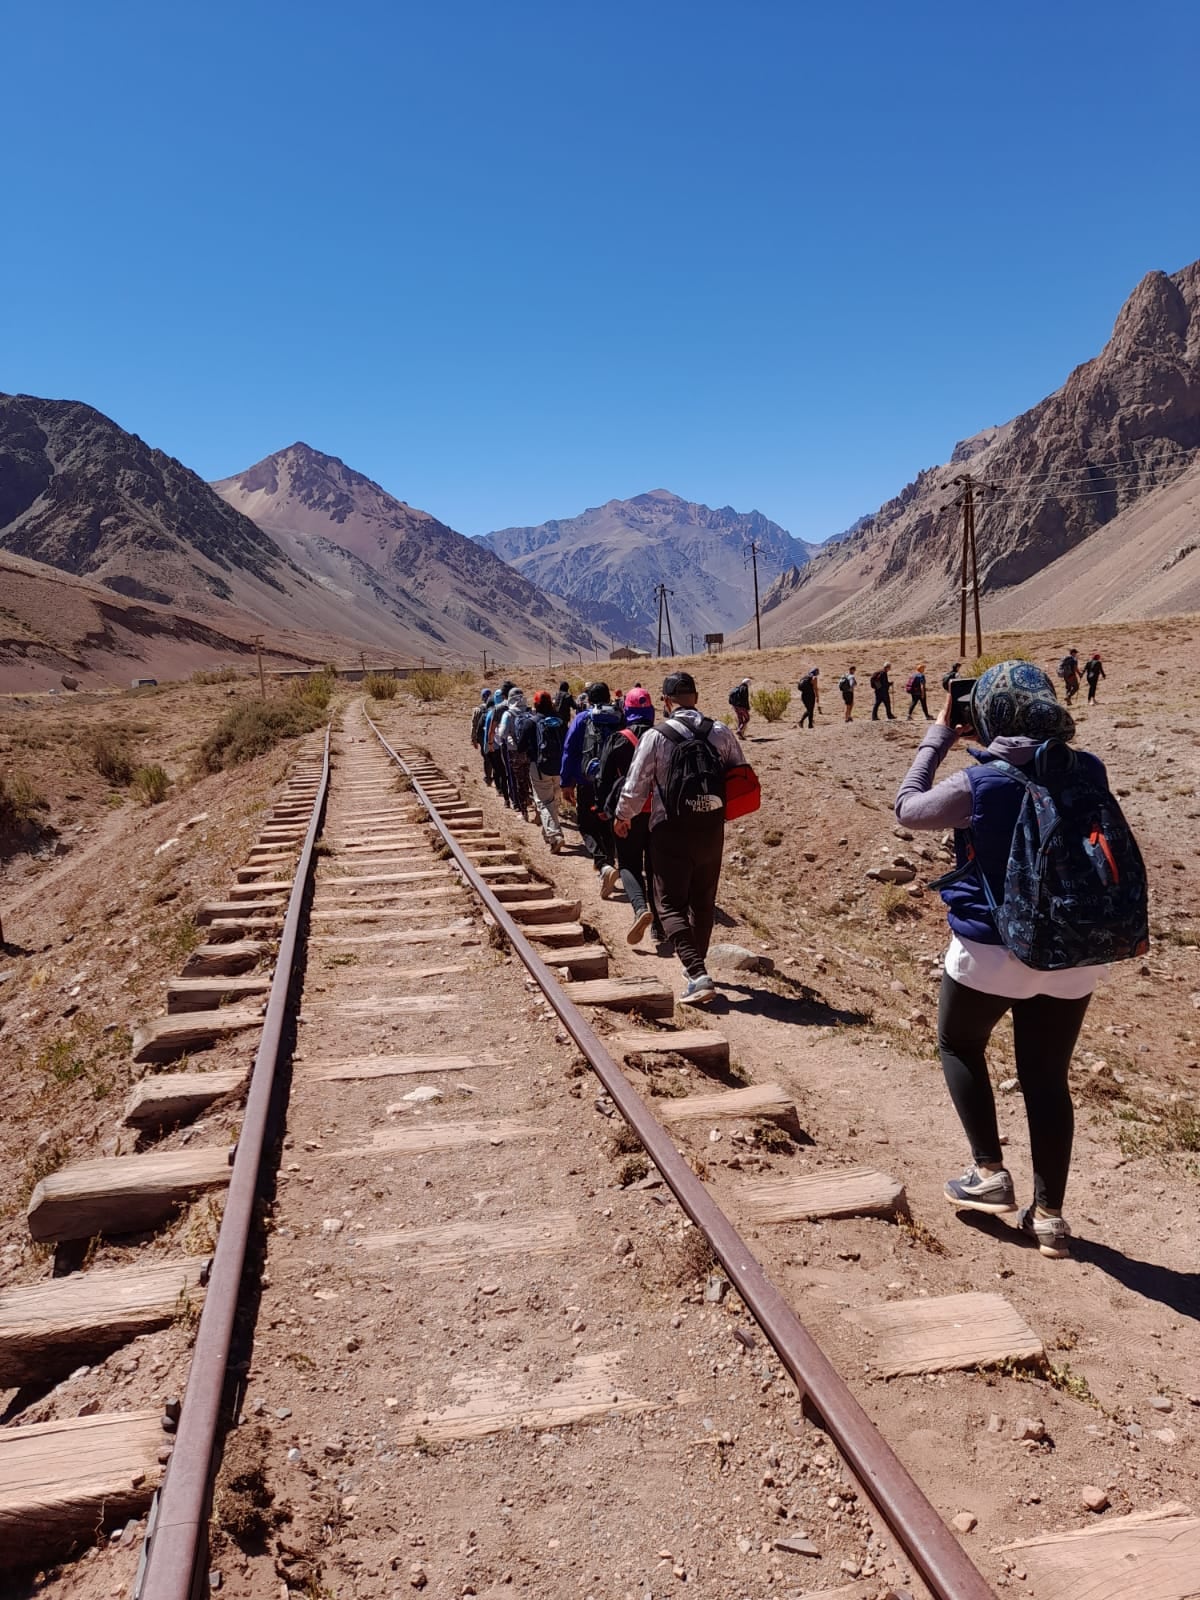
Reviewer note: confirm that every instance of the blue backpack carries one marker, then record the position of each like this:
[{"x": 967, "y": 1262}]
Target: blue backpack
[{"x": 1075, "y": 892}]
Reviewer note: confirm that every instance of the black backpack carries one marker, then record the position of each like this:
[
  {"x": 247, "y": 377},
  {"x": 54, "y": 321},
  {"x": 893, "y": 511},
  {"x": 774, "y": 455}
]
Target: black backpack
[
  {"x": 877, "y": 680},
  {"x": 601, "y": 722},
  {"x": 615, "y": 761},
  {"x": 739, "y": 697},
  {"x": 524, "y": 733},
  {"x": 548, "y": 757},
  {"x": 695, "y": 785}
]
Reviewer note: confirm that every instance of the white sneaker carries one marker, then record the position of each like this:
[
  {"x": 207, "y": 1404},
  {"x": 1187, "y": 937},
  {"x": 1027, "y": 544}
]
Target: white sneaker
[
  {"x": 640, "y": 924},
  {"x": 609, "y": 879}
]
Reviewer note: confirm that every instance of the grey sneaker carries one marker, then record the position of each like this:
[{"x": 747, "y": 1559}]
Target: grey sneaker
[
  {"x": 978, "y": 1191},
  {"x": 701, "y": 991},
  {"x": 640, "y": 924},
  {"x": 556, "y": 844},
  {"x": 1053, "y": 1235},
  {"x": 609, "y": 879}
]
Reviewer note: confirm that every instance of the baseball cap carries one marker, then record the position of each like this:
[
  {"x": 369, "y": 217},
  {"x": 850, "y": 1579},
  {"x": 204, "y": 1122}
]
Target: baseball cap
[
  {"x": 677, "y": 683},
  {"x": 638, "y": 700}
]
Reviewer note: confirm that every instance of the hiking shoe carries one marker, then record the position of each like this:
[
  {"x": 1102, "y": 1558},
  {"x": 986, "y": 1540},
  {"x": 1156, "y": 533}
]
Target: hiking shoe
[
  {"x": 609, "y": 879},
  {"x": 977, "y": 1191},
  {"x": 701, "y": 991},
  {"x": 556, "y": 844},
  {"x": 1052, "y": 1233},
  {"x": 640, "y": 923}
]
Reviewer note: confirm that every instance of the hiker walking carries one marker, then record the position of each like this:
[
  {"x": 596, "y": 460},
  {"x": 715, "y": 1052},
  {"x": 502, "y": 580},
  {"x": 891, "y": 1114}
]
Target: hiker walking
[
  {"x": 949, "y": 677},
  {"x": 564, "y": 703},
  {"x": 586, "y": 738},
  {"x": 493, "y": 750},
  {"x": 516, "y": 734},
  {"x": 1093, "y": 671},
  {"x": 882, "y": 685},
  {"x": 847, "y": 684},
  {"x": 916, "y": 689},
  {"x": 997, "y": 901},
  {"x": 680, "y": 766},
  {"x": 739, "y": 699},
  {"x": 477, "y": 716},
  {"x": 1068, "y": 671},
  {"x": 810, "y": 695},
  {"x": 633, "y": 846},
  {"x": 544, "y": 765}
]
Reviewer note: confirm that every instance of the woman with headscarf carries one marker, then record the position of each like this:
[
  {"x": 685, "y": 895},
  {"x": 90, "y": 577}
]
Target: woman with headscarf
[{"x": 1013, "y": 710}]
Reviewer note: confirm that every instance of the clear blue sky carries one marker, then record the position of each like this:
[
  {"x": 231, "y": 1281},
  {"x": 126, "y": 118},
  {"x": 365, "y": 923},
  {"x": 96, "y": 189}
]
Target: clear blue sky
[{"x": 516, "y": 258}]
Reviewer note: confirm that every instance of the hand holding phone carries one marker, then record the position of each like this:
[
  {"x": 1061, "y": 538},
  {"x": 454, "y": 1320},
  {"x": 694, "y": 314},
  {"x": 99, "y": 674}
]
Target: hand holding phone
[{"x": 959, "y": 704}]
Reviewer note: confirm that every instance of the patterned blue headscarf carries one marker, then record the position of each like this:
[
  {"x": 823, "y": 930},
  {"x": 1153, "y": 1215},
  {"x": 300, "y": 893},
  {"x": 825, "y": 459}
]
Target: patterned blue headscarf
[{"x": 1017, "y": 698}]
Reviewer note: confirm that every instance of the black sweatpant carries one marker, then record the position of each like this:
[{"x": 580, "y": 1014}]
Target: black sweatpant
[
  {"x": 883, "y": 697},
  {"x": 1045, "y": 1030},
  {"x": 633, "y": 860},
  {"x": 687, "y": 868},
  {"x": 807, "y": 714},
  {"x": 595, "y": 830}
]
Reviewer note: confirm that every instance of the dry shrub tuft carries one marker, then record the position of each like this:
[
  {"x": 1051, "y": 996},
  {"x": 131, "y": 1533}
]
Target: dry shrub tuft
[{"x": 771, "y": 703}]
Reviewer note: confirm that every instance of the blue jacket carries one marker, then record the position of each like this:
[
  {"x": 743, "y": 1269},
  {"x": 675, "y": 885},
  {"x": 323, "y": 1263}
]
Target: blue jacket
[
  {"x": 610, "y": 720},
  {"x": 995, "y": 805}
]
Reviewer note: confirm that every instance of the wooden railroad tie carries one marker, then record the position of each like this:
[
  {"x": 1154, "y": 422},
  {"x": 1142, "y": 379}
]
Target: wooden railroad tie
[
  {"x": 353, "y": 1068},
  {"x": 841, "y": 1192},
  {"x": 214, "y": 960},
  {"x": 168, "y": 1038},
  {"x": 165, "y": 1098},
  {"x": 61, "y": 1481},
  {"x": 947, "y": 1333},
  {"x": 218, "y": 910},
  {"x": 205, "y": 994},
  {"x": 47, "y": 1329},
  {"x": 647, "y": 995},
  {"x": 759, "y": 1100},
  {"x": 124, "y": 1194},
  {"x": 548, "y": 910},
  {"x": 700, "y": 1045}
]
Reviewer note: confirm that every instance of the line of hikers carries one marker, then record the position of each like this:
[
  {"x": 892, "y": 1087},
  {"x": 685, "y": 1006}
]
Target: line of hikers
[
  {"x": 651, "y": 798},
  {"x": 1049, "y": 884}
]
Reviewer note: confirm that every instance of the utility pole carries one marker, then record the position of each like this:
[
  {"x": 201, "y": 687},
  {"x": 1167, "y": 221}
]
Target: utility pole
[
  {"x": 752, "y": 556},
  {"x": 691, "y": 644},
  {"x": 664, "y": 615},
  {"x": 262, "y": 682},
  {"x": 970, "y": 486},
  {"x": 549, "y": 649}
]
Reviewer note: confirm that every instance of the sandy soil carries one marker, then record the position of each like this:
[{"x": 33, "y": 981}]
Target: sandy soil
[{"x": 356, "y": 1346}]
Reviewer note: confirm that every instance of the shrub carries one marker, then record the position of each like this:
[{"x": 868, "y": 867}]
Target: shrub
[
  {"x": 110, "y": 756},
  {"x": 150, "y": 784},
  {"x": 255, "y": 727},
  {"x": 896, "y": 905},
  {"x": 981, "y": 663},
  {"x": 315, "y": 691},
  {"x": 381, "y": 686},
  {"x": 430, "y": 685},
  {"x": 771, "y": 703},
  {"x": 19, "y": 800},
  {"x": 217, "y": 675}
]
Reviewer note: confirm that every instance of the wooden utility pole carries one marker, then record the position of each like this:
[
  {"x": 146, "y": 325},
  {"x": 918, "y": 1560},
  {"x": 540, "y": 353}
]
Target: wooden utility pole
[
  {"x": 970, "y": 486},
  {"x": 752, "y": 555},
  {"x": 664, "y": 615},
  {"x": 262, "y": 682}
]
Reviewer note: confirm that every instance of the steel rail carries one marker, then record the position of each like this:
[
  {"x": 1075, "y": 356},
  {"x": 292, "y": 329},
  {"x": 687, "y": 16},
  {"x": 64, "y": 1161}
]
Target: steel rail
[
  {"x": 181, "y": 1513},
  {"x": 918, "y": 1528}
]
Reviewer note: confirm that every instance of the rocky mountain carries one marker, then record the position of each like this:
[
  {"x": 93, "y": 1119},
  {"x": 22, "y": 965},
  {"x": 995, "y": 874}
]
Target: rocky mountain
[
  {"x": 373, "y": 550},
  {"x": 607, "y": 561},
  {"x": 79, "y": 493},
  {"x": 1095, "y": 480}
]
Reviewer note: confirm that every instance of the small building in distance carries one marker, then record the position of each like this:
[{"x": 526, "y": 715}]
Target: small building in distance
[
  {"x": 626, "y": 652},
  {"x": 714, "y": 643}
]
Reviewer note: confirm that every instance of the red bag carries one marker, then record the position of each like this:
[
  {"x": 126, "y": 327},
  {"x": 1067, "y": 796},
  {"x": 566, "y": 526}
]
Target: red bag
[{"x": 743, "y": 792}]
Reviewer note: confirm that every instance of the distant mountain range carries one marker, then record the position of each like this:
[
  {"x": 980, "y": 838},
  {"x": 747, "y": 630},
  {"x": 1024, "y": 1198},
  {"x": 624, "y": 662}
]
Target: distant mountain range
[
  {"x": 327, "y": 565},
  {"x": 1095, "y": 514},
  {"x": 607, "y": 562},
  {"x": 439, "y": 590}
]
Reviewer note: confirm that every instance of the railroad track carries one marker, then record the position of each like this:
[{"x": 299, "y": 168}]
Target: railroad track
[{"x": 450, "y": 1272}]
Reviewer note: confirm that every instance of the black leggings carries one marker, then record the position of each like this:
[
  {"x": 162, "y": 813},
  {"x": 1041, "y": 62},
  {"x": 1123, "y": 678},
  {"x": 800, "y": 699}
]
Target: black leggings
[
  {"x": 807, "y": 714},
  {"x": 1044, "y": 1033},
  {"x": 633, "y": 861}
]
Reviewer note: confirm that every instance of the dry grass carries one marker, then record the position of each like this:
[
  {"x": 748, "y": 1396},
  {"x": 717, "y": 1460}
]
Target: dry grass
[
  {"x": 110, "y": 756},
  {"x": 150, "y": 784},
  {"x": 771, "y": 703},
  {"x": 381, "y": 686},
  {"x": 20, "y": 801},
  {"x": 255, "y": 727}
]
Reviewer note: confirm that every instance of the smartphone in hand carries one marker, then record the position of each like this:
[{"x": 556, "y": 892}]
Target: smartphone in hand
[{"x": 961, "y": 690}]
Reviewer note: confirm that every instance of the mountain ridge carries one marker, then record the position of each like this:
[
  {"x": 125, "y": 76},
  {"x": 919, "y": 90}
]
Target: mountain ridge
[
  {"x": 608, "y": 559},
  {"x": 1124, "y": 426}
]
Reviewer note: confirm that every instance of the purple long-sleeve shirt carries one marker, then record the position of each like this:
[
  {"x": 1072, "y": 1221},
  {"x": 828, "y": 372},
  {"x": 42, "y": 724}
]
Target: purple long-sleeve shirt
[{"x": 922, "y": 804}]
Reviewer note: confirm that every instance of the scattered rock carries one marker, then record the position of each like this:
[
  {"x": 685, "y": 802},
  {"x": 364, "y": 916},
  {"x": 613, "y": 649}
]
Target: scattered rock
[
  {"x": 892, "y": 874},
  {"x": 716, "y": 1289},
  {"x": 1161, "y": 1402},
  {"x": 1009, "y": 1085},
  {"x": 739, "y": 959},
  {"x": 167, "y": 844},
  {"x": 1093, "y": 1499},
  {"x": 965, "y": 1522},
  {"x": 793, "y": 1546},
  {"x": 623, "y": 1245},
  {"x": 332, "y": 1225},
  {"x": 1031, "y": 1428},
  {"x": 995, "y": 1423},
  {"x": 426, "y": 1091}
]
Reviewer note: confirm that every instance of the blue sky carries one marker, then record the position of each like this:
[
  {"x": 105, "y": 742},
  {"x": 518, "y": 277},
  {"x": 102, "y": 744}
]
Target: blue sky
[{"x": 516, "y": 259}]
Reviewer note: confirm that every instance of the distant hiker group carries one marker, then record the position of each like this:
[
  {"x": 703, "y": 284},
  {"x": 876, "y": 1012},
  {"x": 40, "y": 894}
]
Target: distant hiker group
[{"x": 651, "y": 801}]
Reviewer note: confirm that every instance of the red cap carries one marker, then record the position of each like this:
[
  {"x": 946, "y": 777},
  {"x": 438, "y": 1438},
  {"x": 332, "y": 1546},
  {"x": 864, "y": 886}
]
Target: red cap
[{"x": 638, "y": 700}]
